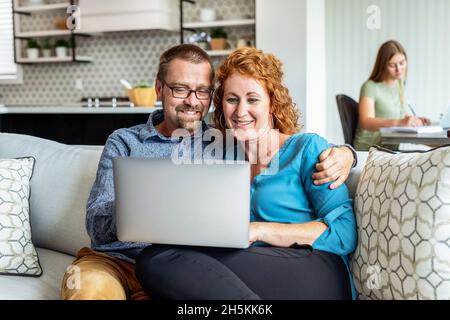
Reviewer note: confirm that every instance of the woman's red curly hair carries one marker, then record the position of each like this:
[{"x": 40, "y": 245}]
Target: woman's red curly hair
[{"x": 266, "y": 69}]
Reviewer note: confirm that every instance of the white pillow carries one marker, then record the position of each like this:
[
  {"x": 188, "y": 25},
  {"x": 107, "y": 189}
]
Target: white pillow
[
  {"x": 17, "y": 253},
  {"x": 402, "y": 206}
]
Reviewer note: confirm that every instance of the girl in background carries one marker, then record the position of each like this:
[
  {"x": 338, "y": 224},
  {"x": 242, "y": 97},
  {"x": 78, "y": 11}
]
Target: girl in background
[{"x": 382, "y": 100}]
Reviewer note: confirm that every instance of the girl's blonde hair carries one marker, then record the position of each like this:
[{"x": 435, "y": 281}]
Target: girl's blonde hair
[{"x": 385, "y": 54}]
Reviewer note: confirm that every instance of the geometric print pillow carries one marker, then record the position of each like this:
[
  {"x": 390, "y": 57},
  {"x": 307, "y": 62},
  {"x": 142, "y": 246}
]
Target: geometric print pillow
[
  {"x": 402, "y": 207},
  {"x": 17, "y": 253}
]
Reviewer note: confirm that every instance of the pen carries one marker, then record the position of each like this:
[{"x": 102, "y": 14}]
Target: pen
[{"x": 412, "y": 110}]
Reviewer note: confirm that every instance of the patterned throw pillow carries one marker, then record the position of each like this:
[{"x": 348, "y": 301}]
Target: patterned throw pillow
[
  {"x": 17, "y": 253},
  {"x": 402, "y": 204}
]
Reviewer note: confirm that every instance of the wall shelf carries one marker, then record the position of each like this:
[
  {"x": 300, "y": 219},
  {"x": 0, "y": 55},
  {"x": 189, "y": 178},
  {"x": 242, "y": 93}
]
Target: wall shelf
[
  {"x": 219, "y": 23},
  {"x": 20, "y": 36},
  {"x": 54, "y": 59},
  {"x": 44, "y": 33},
  {"x": 218, "y": 53},
  {"x": 194, "y": 26},
  {"x": 41, "y": 8}
]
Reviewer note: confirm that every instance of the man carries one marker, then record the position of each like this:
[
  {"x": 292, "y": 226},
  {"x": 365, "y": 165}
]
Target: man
[{"x": 184, "y": 85}]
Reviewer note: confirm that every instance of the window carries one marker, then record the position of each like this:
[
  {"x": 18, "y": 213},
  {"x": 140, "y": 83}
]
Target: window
[{"x": 9, "y": 71}]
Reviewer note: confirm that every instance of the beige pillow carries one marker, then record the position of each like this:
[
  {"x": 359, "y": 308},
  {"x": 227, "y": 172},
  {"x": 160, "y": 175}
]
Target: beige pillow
[
  {"x": 17, "y": 253},
  {"x": 402, "y": 206}
]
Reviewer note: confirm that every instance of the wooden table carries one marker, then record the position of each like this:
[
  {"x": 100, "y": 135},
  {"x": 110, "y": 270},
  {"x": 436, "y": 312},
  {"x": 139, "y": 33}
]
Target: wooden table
[{"x": 429, "y": 139}]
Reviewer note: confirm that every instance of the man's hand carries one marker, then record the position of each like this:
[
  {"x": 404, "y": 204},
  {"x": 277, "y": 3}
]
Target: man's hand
[{"x": 335, "y": 165}]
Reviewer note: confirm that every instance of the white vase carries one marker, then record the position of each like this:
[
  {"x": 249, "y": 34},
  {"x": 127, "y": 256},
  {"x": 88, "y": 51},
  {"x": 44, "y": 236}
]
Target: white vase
[
  {"x": 34, "y": 2},
  {"x": 46, "y": 53},
  {"x": 61, "y": 52},
  {"x": 33, "y": 53},
  {"x": 207, "y": 14}
]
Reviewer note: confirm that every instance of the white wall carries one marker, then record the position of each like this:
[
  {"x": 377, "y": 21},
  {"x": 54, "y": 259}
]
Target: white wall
[
  {"x": 294, "y": 30},
  {"x": 316, "y": 110},
  {"x": 281, "y": 30},
  {"x": 422, "y": 26}
]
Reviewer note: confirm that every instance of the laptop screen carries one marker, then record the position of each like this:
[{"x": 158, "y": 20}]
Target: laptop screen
[{"x": 445, "y": 122}]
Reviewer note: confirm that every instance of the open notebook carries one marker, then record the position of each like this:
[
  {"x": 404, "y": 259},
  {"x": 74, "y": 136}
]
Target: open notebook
[{"x": 420, "y": 129}]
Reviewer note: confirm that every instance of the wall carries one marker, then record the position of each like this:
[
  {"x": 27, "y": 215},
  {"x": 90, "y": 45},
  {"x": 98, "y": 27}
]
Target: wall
[
  {"x": 295, "y": 33},
  {"x": 281, "y": 30},
  {"x": 129, "y": 55},
  {"x": 422, "y": 26},
  {"x": 315, "y": 67}
]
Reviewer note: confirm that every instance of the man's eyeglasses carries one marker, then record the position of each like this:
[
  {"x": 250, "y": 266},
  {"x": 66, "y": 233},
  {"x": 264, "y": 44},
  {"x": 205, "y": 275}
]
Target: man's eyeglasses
[{"x": 181, "y": 92}]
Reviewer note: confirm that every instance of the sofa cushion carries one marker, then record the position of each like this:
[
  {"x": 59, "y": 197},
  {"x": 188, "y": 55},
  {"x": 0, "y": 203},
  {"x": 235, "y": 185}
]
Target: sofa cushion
[
  {"x": 46, "y": 287},
  {"x": 353, "y": 178},
  {"x": 17, "y": 253},
  {"x": 402, "y": 208},
  {"x": 61, "y": 183}
]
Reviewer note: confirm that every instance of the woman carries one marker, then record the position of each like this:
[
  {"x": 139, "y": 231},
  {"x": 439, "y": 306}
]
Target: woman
[
  {"x": 301, "y": 232},
  {"x": 382, "y": 99}
]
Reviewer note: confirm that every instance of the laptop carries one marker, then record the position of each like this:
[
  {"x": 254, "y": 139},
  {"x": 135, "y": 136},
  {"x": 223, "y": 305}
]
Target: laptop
[
  {"x": 445, "y": 122},
  {"x": 158, "y": 201}
]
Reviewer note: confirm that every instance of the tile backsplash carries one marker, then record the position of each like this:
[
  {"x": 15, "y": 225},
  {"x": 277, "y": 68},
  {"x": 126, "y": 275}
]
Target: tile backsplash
[{"x": 131, "y": 55}]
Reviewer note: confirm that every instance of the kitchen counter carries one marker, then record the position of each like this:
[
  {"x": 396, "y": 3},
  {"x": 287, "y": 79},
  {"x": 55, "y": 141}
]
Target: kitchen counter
[
  {"x": 74, "y": 109},
  {"x": 71, "y": 123}
]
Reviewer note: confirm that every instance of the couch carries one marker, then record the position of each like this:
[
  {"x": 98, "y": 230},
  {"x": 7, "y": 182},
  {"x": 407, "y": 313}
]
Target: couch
[{"x": 62, "y": 179}]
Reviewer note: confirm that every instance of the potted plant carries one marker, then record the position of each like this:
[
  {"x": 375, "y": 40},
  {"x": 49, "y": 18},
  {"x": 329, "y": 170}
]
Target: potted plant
[
  {"x": 61, "y": 48},
  {"x": 46, "y": 48},
  {"x": 218, "y": 38},
  {"x": 32, "y": 49}
]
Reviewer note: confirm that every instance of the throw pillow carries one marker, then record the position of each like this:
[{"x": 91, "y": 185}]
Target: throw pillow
[
  {"x": 402, "y": 206},
  {"x": 17, "y": 253}
]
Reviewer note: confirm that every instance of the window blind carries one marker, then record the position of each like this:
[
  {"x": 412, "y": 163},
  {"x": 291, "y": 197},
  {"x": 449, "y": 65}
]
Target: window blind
[{"x": 8, "y": 68}]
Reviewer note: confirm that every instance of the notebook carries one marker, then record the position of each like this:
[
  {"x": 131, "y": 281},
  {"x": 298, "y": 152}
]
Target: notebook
[{"x": 419, "y": 129}]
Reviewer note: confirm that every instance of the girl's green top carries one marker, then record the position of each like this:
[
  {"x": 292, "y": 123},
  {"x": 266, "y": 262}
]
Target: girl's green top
[{"x": 388, "y": 105}]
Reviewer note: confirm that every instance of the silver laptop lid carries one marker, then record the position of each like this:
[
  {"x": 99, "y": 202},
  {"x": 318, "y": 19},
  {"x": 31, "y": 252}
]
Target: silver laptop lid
[
  {"x": 158, "y": 201},
  {"x": 445, "y": 122}
]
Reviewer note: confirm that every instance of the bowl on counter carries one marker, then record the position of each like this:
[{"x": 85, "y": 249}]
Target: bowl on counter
[{"x": 142, "y": 97}]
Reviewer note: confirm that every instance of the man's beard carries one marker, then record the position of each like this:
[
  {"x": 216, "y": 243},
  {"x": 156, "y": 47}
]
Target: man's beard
[{"x": 191, "y": 124}]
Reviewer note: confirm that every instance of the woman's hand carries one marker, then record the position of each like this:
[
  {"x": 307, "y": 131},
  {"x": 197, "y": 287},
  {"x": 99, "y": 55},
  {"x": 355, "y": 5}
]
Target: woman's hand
[
  {"x": 255, "y": 229},
  {"x": 425, "y": 121},
  {"x": 286, "y": 234},
  {"x": 410, "y": 121}
]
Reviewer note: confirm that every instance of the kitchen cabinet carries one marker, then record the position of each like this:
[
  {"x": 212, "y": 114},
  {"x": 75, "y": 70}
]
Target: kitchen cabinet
[
  {"x": 119, "y": 15},
  {"x": 71, "y": 125}
]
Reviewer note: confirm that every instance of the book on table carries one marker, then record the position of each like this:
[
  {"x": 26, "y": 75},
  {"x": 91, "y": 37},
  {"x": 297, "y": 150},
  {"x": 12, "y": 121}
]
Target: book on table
[{"x": 419, "y": 129}]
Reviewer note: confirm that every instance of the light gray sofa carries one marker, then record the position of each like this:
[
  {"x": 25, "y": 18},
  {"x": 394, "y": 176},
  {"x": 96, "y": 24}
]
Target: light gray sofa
[{"x": 62, "y": 179}]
